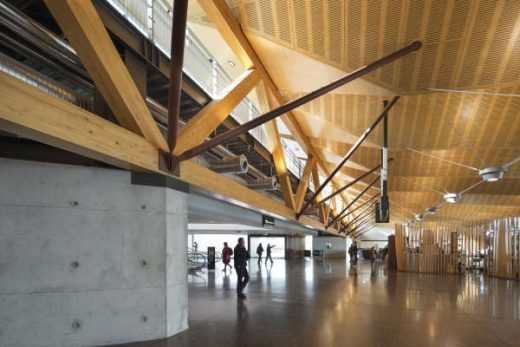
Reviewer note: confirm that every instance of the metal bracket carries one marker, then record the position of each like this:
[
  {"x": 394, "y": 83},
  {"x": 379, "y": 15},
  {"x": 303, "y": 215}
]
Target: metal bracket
[{"x": 169, "y": 163}]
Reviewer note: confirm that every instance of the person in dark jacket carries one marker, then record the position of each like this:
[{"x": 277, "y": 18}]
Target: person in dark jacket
[
  {"x": 241, "y": 258},
  {"x": 259, "y": 252},
  {"x": 268, "y": 253}
]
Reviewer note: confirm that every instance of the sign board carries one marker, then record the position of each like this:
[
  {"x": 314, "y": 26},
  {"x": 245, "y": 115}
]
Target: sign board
[
  {"x": 211, "y": 258},
  {"x": 267, "y": 222}
]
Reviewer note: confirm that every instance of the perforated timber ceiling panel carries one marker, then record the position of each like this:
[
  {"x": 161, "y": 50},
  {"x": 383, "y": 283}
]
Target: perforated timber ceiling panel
[{"x": 464, "y": 39}]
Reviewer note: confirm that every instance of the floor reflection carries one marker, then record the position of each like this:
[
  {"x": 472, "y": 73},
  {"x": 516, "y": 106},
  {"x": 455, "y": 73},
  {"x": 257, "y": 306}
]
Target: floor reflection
[{"x": 307, "y": 303}]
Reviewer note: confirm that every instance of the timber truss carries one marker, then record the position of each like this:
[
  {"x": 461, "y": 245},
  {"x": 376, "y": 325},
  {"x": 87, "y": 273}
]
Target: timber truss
[{"x": 137, "y": 143}]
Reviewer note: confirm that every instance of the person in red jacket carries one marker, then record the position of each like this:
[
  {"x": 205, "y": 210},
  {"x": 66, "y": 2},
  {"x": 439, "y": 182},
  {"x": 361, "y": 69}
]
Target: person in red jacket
[{"x": 227, "y": 252}]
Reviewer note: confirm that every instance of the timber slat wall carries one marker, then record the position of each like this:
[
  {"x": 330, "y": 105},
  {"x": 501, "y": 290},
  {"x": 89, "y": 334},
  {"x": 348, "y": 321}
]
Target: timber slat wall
[{"x": 491, "y": 246}]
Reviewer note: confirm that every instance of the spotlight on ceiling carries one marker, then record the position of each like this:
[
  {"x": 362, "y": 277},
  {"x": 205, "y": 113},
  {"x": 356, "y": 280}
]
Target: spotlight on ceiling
[
  {"x": 492, "y": 174},
  {"x": 431, "y": 210},
  {"x": 451, "y": 198},
  {"x": 419, "y": 216}
]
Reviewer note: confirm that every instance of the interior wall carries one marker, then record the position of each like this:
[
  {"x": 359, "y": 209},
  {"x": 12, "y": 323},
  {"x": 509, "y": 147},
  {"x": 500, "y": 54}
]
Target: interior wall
[
  {"x": 87, "y": 258},
  {"x": 295, "y": 246},
  {"x": 331, "y": 246},
  {"x": 369, "y": 244}
]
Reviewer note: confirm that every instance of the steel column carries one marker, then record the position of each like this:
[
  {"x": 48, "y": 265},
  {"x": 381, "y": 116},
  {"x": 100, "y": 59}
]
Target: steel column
[{"x": 180, "y": 13}]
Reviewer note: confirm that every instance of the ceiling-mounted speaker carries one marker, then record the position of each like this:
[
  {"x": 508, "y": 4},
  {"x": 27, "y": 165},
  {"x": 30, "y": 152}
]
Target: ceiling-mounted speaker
[{"x": 383, "y": 210}]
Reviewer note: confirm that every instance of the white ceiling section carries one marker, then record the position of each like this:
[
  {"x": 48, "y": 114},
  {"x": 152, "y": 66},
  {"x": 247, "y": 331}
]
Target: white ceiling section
[
  {"x": 209, "y": 215},
  {"x": 222, "y": 227},
  {"x": 218, "y": 48},
  {"x": 296, "y": 72}
]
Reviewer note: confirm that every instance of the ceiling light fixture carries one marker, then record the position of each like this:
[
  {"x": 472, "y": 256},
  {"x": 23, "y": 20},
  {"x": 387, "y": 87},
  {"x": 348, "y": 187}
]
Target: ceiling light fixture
[
  {"x": 431, "y": 210},
  {"x": 419, "y": 217},
  {"x": 451, "y": 198},
  {"x": 492, "y": 174},
  {"x": 231, "y": 63}
]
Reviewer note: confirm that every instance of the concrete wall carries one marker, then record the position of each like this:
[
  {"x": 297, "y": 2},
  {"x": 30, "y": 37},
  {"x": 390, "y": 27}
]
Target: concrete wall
[
  {"x": 87, "y": 258},
  {"x": 371, "y": 243},
  {"x": 338, "y": 246}
]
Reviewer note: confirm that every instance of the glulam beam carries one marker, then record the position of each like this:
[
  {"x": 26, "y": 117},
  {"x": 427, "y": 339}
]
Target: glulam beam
[
  {"x": 202, "y": 124},
  {"x": 29, "y": 112},
  {"x": 86, "y": 33},
  {"x": 222, "y": 18},
  {"x": 304, "y": 182}
]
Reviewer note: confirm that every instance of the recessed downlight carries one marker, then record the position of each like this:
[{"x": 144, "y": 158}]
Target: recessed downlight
[
  {"x": 431, "y": 210},
  {"x": 451, "y": 198}
]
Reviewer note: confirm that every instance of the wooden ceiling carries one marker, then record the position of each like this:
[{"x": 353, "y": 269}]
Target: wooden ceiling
[{"x": 471, "y": 46}]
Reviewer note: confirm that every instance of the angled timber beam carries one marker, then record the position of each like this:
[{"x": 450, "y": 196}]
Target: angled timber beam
[
  {"x": 304, "y": 182},
  {"x": 316, "y": 183},
  {"x": 275, "y": 143},
  {"x": 32, "y": 113},
  {"x": 86, "y": 33},
  {"x": 273, "y": 137},
  {"x": 329, "y": 209},
  {"x": 200, "y": 126}
]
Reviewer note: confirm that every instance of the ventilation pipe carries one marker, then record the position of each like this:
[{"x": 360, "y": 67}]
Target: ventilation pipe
[
  {"x": 236, "y": 164},
  {"x": 269, "y": 183}
]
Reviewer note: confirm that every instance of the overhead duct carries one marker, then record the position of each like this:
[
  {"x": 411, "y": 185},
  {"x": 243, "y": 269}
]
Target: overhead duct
[
  {"x": 269, "y": 183},
  {"x": 236, "y": 164}
]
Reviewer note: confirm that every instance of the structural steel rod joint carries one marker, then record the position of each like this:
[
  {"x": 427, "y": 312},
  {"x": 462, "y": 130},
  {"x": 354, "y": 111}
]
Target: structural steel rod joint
[{"x": 169, "y": 163}]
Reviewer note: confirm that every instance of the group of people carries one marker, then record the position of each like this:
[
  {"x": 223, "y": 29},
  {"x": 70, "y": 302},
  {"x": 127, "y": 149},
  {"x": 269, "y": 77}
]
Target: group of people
[
  {"x": 260, "y": 251},
  {"x": 241, "y": 256}
]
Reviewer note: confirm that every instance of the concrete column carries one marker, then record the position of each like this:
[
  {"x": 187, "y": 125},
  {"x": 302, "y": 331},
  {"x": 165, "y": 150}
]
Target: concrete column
[{"x": 88, "y": 258}]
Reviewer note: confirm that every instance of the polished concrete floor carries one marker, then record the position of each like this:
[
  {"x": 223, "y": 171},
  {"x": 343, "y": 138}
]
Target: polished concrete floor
[{"x": 306, "y": 303}]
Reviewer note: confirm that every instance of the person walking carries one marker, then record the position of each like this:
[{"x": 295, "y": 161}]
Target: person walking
[
  {"x": 241, "y": 258},
  {"x": 351, "y": 254},
  {"x": 227, "y": 252},
  {"x": 259, "y": 252},
  {"x": 268, "y": 253},
  {"x": 373, "y": 257}
]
